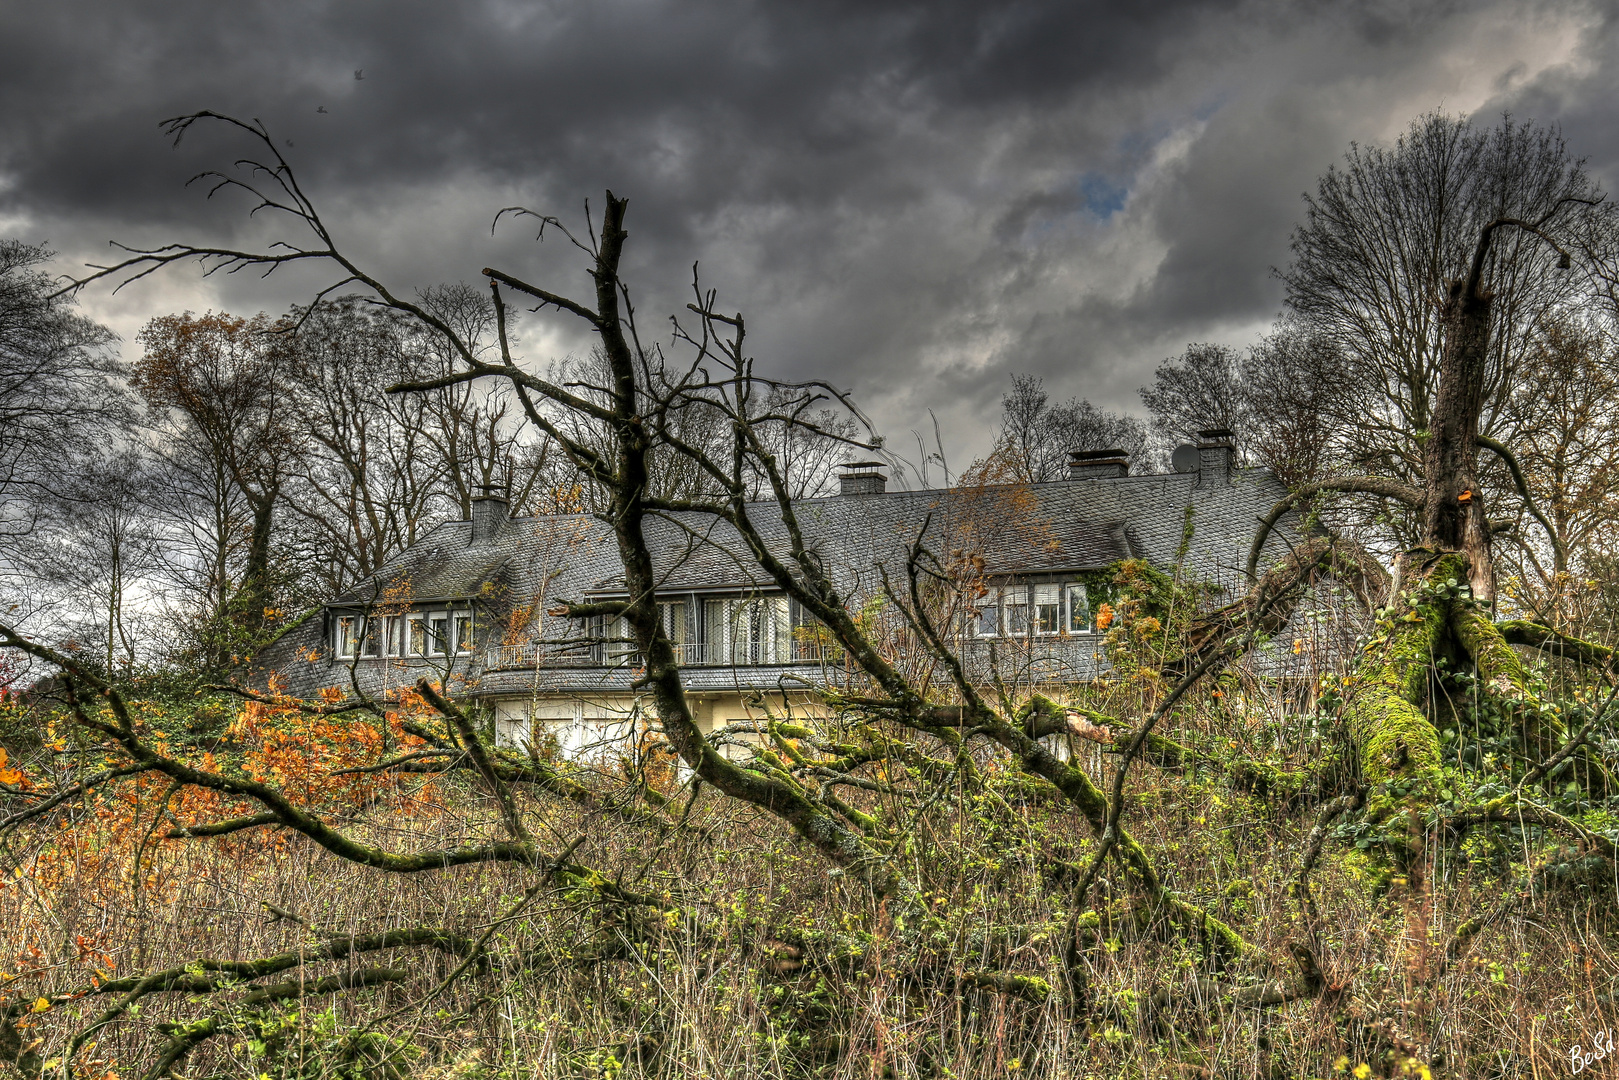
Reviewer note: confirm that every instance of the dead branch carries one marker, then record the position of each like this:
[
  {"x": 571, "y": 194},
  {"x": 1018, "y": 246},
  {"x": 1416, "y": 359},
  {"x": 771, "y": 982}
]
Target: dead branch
[{"x": 1364, "y": 485}]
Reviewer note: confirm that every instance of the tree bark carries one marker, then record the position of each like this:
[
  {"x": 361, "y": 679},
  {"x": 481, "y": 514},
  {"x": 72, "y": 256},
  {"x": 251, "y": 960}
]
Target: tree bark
[
  {"x": 254, "y": 596},
  {"x": 1453, "y": 510}
]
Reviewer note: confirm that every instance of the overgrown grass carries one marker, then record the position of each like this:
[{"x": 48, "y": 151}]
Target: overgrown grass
[{"x": 766, "y": 965}]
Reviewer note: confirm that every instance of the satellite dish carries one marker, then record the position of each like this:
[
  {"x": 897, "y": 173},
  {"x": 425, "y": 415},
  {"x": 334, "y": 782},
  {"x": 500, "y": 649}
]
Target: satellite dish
[{"x": 1185, "y": 458}]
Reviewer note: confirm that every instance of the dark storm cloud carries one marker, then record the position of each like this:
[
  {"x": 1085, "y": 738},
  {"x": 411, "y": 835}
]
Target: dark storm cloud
[{"x": 913, "y": 199}]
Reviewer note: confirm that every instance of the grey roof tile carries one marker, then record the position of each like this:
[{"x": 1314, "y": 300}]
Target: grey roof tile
[{"x": 1059, "y": 525}]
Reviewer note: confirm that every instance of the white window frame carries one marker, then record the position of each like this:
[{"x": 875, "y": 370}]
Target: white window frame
[
  {"x": 1071, "y": 589},
  {"x": 988, "y": 605},
  {"x": 999, "y": 604},
  {"x": 438, "y": 643},
  {"x": 346, "y": 635},
  {"x": 617, "y": 645},
  {"x": 393, "y": 635},
  {"x": 462, "y": 621},
  {"x": 747, "y": 631},
  {"x": 1015, "y": 593},
  {"x": 416, "y": 631},
  {"x": 1038, "y": 595}
]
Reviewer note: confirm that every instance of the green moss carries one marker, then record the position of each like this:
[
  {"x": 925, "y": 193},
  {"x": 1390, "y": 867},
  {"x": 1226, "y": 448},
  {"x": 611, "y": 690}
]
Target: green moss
[
  {"x": 1535, "y": 636},
  {"x": 1504, "y": 676},
  {"x": 1041, "y": 714},
  {"x": 288, "y": 627},
  {"x": 1389, "y": 687},
  {"x": 1030, "y": 988},
  {"x": 1499, "y": 668}
]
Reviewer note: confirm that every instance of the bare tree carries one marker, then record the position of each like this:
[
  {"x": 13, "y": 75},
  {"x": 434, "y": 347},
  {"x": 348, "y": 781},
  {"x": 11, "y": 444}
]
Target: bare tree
[
  {"x": 475, "y": 429},
  {"x": 59, "y": 394},
  {"x": 217, "y": 384},
  {"x": 96, "y": 552},
  {"x": 916, "y": 723},
  {"x": 1563, "y": 425},
  {"x": 1385, "y": 235},
  {"x": 371, "y": 476},
  {"x": 1300, "y": 396},
  {"x": 640, "y": 404},
  {"x": 807, "y": 453},
  {"x": 1036, "y": 436},
  {"x": 1203, "y": 388}
]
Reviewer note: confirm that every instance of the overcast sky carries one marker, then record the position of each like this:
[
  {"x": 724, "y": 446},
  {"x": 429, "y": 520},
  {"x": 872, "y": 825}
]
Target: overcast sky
[{"x": 912, "y": 200}]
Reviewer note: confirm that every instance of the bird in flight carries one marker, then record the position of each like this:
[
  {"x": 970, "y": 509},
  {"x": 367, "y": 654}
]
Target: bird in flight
[
  {"x": 320, "y": 109},
  {"x": 359, "y": 73}
]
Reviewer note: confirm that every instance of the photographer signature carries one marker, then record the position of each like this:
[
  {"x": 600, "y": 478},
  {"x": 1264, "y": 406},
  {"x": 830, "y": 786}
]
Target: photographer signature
[{"x": 1601, "y": 1047}]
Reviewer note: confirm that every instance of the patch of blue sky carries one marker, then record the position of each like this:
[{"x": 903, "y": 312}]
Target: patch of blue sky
[{"x": 1103, "y": 196}]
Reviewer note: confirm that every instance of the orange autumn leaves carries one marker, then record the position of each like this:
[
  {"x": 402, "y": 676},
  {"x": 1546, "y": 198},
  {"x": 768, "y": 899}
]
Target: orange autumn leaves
[
  {"x": 307, "y": 757},
  {"x": 12, "y": 777},
  {"x": 310, "y": 757}
]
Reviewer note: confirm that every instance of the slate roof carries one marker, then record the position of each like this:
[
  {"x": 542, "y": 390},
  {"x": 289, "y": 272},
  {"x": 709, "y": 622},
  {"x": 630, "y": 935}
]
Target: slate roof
[{"x": 1063, "y": 525}]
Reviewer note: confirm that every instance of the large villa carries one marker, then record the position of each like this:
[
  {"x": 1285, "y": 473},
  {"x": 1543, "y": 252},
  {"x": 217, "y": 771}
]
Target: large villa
[{"x": 470, "y": 604}]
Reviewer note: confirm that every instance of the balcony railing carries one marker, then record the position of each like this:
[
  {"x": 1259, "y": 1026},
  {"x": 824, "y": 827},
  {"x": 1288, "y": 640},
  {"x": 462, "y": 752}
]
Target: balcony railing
[
  {"x": 509, "y": 657},
  {"x": 689, "y": 654}
]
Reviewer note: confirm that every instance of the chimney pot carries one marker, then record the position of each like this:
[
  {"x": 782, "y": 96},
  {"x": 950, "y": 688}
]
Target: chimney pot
[
  {"x": 862, "y": 478},
  {"x": 1098, "y": 464}
]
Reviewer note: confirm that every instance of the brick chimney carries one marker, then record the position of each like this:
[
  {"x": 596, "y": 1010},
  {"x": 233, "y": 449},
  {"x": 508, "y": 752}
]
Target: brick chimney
[
  {"x": 1216, "y": 457},
  {"x": 862, "y": 478},
  {"x": 1097, "y": 464},
  {"x": 489, "y": 513}
]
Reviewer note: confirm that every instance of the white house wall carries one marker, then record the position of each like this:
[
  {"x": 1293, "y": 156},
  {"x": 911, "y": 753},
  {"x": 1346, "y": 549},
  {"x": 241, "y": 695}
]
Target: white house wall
[{"x": 606, "y": 728}]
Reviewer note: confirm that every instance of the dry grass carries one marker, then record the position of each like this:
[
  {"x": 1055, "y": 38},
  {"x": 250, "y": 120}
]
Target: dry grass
[{"x": 98, "y": 891}]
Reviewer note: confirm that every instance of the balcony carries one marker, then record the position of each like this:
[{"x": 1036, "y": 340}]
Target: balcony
[{"x": 690, "y": 654}]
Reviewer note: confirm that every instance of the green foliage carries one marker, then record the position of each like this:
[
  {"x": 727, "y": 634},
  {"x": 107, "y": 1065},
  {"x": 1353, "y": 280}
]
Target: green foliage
[
  {"x": 294, "y": 1044},
  {"x": 1144, "y": 616}
]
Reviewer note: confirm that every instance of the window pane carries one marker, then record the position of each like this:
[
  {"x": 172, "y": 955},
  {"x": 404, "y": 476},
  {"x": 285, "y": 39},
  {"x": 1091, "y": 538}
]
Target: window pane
[
  {"x": 438, "y": 634},
  {"x": 418, "y": 637},
  {"x": 744, "y": 624},
  {"x": 1079, "y": 610},
  {"x": 617, "y": 633},
  {"x": 1047, "y": 609},
  {"x": 780, "y": 631},
  {"x": 714, "y": 631},
  {"x": 345, "y": 636},
  {"x": 674, "y": 620},
  {"x": 1017, "y": 610},
  {"x": 373, "y": 636},
  {"x": 989, "y": 613},
  {"x": 758, "y": 631},
  {"x": 463, "y": 633}
]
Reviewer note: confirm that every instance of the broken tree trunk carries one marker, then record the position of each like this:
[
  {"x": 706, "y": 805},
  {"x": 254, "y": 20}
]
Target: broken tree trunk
[
  {"x": 1442, "y": 608},
  {"x": 1453, "y": 510}
]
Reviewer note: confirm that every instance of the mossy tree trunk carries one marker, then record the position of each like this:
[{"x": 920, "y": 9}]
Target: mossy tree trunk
[{"x": 1448, "y": 584}]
